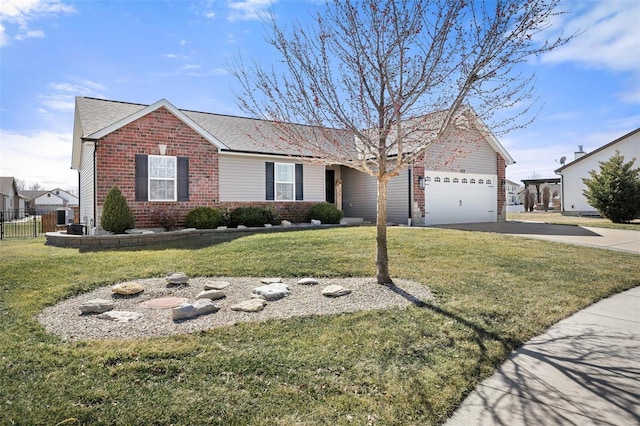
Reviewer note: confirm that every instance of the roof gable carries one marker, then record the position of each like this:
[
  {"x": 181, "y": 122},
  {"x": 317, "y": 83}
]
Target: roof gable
[
  {"x": 163, "y": 103},
  {"x": 595, "y": 151}
]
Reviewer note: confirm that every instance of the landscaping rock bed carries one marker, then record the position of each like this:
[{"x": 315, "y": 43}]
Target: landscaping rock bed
[{"x": 70, "y": 319}]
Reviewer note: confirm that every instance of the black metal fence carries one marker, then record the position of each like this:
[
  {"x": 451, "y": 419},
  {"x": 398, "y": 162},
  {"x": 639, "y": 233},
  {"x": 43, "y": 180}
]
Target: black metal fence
[{"x": 23, "y": 224}]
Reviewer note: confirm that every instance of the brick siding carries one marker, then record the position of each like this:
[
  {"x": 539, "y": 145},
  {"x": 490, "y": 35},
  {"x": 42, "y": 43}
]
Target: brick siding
[{"x": 115, "y": 164}]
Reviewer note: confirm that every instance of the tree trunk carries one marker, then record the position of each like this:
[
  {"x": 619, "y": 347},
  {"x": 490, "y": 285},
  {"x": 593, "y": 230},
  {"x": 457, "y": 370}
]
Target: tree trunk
[{"x": 382, "y": 255}]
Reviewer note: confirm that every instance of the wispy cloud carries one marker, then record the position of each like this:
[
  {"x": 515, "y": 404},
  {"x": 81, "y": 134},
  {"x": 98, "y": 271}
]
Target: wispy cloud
[
  {"x": 246, "y": 10},
  {"x": 61, "y": 95},
  {"x": 16, "y": 17},
  {"x": 609, "y": 40}
]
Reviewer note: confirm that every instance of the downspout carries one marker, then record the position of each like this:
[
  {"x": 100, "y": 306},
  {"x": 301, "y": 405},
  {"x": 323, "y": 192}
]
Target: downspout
[
  {"x": 410, "y": 216},
  {"x": 561, "y": 192},
  {"x": 95, "y": 189}
]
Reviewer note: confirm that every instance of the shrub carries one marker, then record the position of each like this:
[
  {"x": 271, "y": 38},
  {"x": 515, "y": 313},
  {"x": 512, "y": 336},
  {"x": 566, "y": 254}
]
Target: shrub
[
  {"x": 273, "y": 215},
  {"x": 250, "y": 216},
  {"x": 615, "y": 191},
  {"x": 203, "y": 218},
  {"x": 326, "y": 213},
  {"x": 226, "y": 216},
  {"x": 116, "y": 214},
  {"x": 164, "y": 217}
]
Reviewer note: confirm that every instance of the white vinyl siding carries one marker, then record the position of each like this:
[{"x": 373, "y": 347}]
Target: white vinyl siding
[
  {"x": 359, "y": 197},
  {"x": 573, "y": 202},
  {"x": 477, "y": 157},
  {"x": 242, "y": 178},
  {"x": 87, "y": 185},
  {"x": 162, "y": 178}
]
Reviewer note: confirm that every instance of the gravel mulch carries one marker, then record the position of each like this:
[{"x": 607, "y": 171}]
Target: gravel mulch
[{"x": 66, "y": 321}]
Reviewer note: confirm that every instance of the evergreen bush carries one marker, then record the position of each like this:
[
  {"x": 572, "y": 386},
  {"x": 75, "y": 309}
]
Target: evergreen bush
[
  {"x": 116, "y": 214},
  {"x": 615, "y": 191},
  {"x": 250, "y": 216},
  {"x": 326, "y": 213},
  {"x": 203, "y": 218}
]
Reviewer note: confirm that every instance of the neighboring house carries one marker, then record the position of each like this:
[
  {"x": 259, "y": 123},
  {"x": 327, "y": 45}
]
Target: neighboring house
[
  {"x": 11, "y": 203},
  {"x": 162, "y": 157},
  {"x": 513, "y": 190},
  {"x": 574, "y": 202},
  {"x": 45, "y": 201}
]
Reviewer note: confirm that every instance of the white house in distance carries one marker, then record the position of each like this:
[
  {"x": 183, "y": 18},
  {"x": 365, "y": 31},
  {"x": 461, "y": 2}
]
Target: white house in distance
[
  {"x": 513, "y": 190},
  {"x": 574, "y": 202}
]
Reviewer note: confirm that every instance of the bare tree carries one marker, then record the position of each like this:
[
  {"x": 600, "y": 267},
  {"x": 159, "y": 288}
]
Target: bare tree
[
  {"x": 396, "y": 77},
  {"x": 35, "y": 187}
]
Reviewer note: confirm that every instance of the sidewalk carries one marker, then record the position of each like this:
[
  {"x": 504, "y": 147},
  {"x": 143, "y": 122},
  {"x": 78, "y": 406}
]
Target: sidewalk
[{"x": 585, "y": 370}]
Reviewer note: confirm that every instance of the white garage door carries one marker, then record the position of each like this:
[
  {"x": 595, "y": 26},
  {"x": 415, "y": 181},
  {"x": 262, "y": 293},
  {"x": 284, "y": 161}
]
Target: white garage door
[{"x": 460, "y": 198}]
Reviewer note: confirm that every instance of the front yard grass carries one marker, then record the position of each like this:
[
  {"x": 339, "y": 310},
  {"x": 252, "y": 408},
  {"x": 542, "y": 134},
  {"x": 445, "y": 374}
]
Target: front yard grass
[{"x": 408, "y": 366}]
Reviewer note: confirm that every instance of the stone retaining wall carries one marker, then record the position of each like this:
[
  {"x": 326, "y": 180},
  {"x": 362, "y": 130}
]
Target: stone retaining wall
[{"x": 62, "y": 239}]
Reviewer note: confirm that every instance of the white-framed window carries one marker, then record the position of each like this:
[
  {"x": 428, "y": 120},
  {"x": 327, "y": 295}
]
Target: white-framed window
[
  {"x": 163, "y": 173},
  {"x": 285, "y": 181}
]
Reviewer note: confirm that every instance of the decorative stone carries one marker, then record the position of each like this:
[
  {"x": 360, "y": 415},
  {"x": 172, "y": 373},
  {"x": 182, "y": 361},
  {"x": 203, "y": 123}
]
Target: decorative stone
[
  {"x": 252, "y": 305},
  {"x": 221, "y": 227},
  {"x": 96, "y": 306},
  {"x": 211, "y": 294},
  {"x": 285, "y": 223},
  {"x": 242, "y": 227},
  {"x": 335, "y": 291},
  {"x": 271, "y": 280},
  {"x": 272, "y": 291},
  {"x": 177, "y": 278},
  {"x": 163, "y": 302},
  {"x": 205, "y": 306},
  {"x": 267, "y": 225},
  {"x": 216, "y": 285},
  {"x": 191, "y": 310},
  {"x": 185, "y": 311},
  {"x": 127, "y": 289},
  {"x": 120, "y": 316},
  {"x": 315, "y": 222},
  {"x": 308, "y": 281}
]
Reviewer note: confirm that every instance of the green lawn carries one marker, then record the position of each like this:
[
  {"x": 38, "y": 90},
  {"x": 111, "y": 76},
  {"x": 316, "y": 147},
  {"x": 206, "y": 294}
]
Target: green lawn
[
  {"x": 558, "y": 219},
  {"x": 408, "y": 366}
]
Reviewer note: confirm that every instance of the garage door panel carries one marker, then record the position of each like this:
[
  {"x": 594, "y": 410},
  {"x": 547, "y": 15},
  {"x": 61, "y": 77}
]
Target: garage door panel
[{"x": 459, "y": 198}]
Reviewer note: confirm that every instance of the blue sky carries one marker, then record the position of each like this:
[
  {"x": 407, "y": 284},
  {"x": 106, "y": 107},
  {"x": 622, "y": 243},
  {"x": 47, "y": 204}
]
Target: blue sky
[{"x": 142, "y": 51}]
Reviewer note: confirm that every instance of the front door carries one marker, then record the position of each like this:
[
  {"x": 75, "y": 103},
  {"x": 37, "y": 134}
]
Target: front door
[{"x": 330, "y": 186}]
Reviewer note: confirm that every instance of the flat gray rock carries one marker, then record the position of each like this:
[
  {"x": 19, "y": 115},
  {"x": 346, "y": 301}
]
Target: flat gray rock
[
  {"x": 96, "y": 306},
  {"x": 191, "y": 310},
  {"x": 335, "y": 291},
  {"x": 308, "y": 281},
  {"x": 271, "y": 280},
  {"x": 216, "y": 285},
  {"x": 177, "y": 278},
  {"x": 274, "y": 291},
  {"x": 211, "y": 294},
  {"x": 120, "y": 316},
  {"x": 252, "y": 305}
]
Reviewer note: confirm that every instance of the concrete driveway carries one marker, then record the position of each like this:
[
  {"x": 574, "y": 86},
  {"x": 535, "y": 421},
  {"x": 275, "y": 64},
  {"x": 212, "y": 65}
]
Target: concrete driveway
[{"x": 612, "y": 239}]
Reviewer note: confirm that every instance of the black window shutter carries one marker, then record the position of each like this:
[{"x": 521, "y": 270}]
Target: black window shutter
[
  {"x": 142, "y": 177},
  {"x": 183, "y": 179},
  {"x": 270, "y": 181},
  {"x": 299, "y": 183}
]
